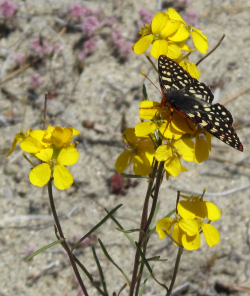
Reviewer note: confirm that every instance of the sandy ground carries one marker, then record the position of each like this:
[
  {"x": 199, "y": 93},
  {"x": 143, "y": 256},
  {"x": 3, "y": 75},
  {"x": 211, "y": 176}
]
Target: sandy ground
[{"x": 105, "y": 90}]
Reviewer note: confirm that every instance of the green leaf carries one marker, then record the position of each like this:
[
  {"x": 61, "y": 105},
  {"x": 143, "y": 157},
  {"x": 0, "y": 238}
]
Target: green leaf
[
  {"x": 135, "y": 176},
  {"x": 130, "y": 230},
  {"x": 127, "y": 235},
  {"x": 154, "y": 216},
  {"x": 88, "y": 275},
  {"x": 148, "y": 266},
  {"x": 95, "y": 227},
  {"x": 144, "y": 91},
  {"x": 100, "y": 272},
  {"x": 156, "y": 258},
  {"x": 41, "y": 250},
  {"x": 144, "y": 283},
  {"x": 111, "y": 260}
]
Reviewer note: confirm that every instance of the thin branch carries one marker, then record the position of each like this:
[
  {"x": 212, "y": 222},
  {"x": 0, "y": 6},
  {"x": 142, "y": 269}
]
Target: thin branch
[
  {"x": 208, "y": 54},
  {"x": 45, "y": 109},
  {"x": 176, "y": 267},
  {"x": 64, "y": 243},
  {"x": 151, "y": 62}
]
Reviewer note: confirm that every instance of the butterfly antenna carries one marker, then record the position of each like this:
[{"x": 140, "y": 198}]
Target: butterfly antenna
[{"x": 143, "y": 74}]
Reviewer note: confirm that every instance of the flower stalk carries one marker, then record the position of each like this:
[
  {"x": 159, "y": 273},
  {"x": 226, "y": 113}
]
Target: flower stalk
[{"x": 62, "y": 237}]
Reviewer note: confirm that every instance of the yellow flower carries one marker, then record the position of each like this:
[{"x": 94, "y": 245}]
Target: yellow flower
[
  {"x": 157, "y": 34},
  {"x": 60, "y": 136},
  {"x": 54, "y": 164},
  {"x": 160, "y": 117},
  {"x": 172, "y": 153},
  {"x": 186, "y": 232},
  {"x": 29, "y": 142},
  {"x": 141, "y": 152},
  {"x": 199, "y": 39}
]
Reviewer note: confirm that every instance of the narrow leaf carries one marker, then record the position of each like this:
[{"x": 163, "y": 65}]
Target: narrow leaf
[
  {"x": 88, "y": 275},
  {"x": 95, "y": 227},
  {"x": 148, "y": 266},
  {"x": 144, "y": 283},
  {"x": 130, "y": 230},
  {"x": 144, "y": 91},
  {"x": 156, "y": 258},
  {"x": 112, "y": 261},
  {"x": 100, "y": 272},
  {"x": 154, "y": 216},
  {"x": 41, "y": 250},
  {"x": 127, "y": 235},
  {"x": 135, "y": 176}
]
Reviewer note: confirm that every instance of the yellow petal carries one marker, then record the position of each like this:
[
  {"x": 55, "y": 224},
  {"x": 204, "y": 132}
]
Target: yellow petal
[
  {"x": 173, "y": 166},
  {"x": 38, "y": 134},
  {"x": 191, "y": 227},
  {"x": 170, "y": 131},
  {"x": 123, "y": 161},
  {"x": 177, "y": 234},
  {"x": 191, "y": 69},
  {"x": 213, "y": 212},
  {"x": 31, "y": 145},
  {"x": 200, "y": 40},
  {"x": 142, "y": 165},
  {"x": 62, "y": 136},
  {"x": 40, "y": 175},
  {"x": 181, "y": 34},
  {"x": 142, "y": 129},
  {"x": 48, "y": 133},
  {"x": 164, "y": 224},
  {"x": 181, "y": 124},
  {"x": 142, "y": 44},
  {"x": 62, "y": 177},
  {"x": 159, "y": 47},
  {"x": 16, "y": 140},
  {"x": 149, "y": 109},
  {"x": 192, "y": 209},
  {"x": 163, "y": 152},
  {"x": 68, "y": 156},
  {"x": 174, "y": 15},
  {"x": 174, "y": 51},
  {"x": 170, "y": 28},
  {"x": 185, "y": 149},
  {"x": 129, "y": 135},
  {"x": 75, "y": 131},
  {"x": 159, "y": 22},
  {"x": 191, "y": 243},
  {"x": 209, "y": 140},
  {"x": 201, "y": 150},
  {"x": 45, "y": 154},
  {"x": 211, "y": 234}
]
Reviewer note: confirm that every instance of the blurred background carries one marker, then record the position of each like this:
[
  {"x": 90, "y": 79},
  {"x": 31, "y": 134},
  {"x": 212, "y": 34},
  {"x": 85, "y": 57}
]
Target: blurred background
[{"x": 80, "y": 52}]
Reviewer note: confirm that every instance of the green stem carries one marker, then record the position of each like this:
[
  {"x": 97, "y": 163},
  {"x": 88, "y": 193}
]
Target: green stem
[
  {"x": 64, "y": 243},
  {"x": 177, "y": 262}
]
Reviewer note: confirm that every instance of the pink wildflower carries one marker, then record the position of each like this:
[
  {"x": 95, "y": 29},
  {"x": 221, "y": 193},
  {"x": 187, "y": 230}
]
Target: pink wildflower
[
  {"x": 35, "y": 80},
  {"x": 89, "y": 25},
  {"x": 8, "y": 8},
  {"x": 116, "y": 34},
  {"x": 88, "y": 47},
  {"x": 146, "y": 16},
  {"x": 110, "y": 21},
  {"x": 191, "y": 18},
  {"x": 77, "y": 10},
  {"x": 124, "y": 48},
  {"x": 18, "y": 57},
  {"x": 40, "y": 46}
]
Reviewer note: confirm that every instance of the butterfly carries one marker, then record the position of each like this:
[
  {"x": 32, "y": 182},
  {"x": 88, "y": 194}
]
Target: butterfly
[{"x": 193, "y": 100}]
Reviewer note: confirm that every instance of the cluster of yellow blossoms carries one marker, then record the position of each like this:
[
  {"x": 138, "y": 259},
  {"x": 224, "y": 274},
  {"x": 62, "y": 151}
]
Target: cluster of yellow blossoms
[
  {"x": 168, "y": 33},
  {"x": 53, "y": 147},
  {"x": 190, "y": 222}
]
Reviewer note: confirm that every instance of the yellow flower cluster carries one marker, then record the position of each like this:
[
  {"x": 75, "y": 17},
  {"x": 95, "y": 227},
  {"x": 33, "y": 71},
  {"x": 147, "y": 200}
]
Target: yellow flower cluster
[
  {"x": 182, "y": 141},
  {"x": 52, "y": 146},
  {"x": 190, "y": 222},
  {"x": 168, "y": 33}
]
